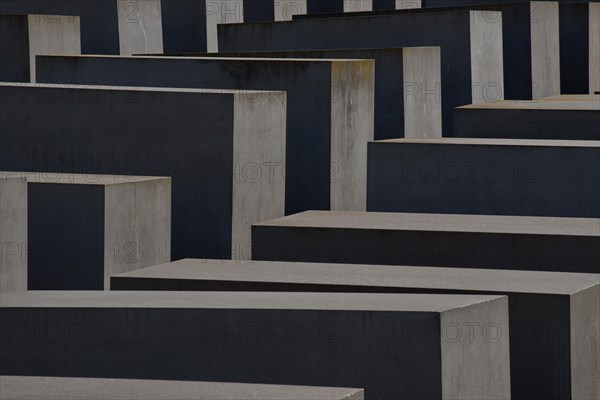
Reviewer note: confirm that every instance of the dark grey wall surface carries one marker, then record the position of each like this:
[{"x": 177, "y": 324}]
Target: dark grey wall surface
[
  {"x": 184, "y": 25},
  {"x": 308, "y": 147},
  {"x": 133, "y": 132},
  {"x": 527, "y": 124},
  {"x": 14, "y": 46},
  {"x": 447, "y": 249},
  {"x": 65, "y": 237},
  {"x": 389, "y": 82},
  {"x": 450, "y": 30},
  {"x": 462, "y": 178}
]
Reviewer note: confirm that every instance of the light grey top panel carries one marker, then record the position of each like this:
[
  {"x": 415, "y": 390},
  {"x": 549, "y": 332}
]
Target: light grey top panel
[
  {"x": 553, "y": 104},
  {"x": 498, "y": 142},
  {"x": 441, "y": 223},
  {"x": 481, "y": 280},
  {"x": 78, "y": 179},
  {"x": 243, "y": 300},
  {"x": 43, "y": 388}
]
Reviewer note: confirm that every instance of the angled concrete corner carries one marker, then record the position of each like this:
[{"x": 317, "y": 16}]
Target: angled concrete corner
[
  {"x": 423, "y": 97},
  {"x": 286, "y": 9},
  {"x": 140, "y": 26},
  {"x": 13, "y": 233},
  {"x": 81, "y": 229},
  {"x": 221, "y": 12},
  {"x": 467, "y": 363}
]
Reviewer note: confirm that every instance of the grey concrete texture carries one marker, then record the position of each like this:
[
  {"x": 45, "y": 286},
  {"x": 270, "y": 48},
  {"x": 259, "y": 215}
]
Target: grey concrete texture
[
  {"x": 553, "y": 316},
  {"x": 329, "y": 120},
  {"x": 272, "y": 335},
  {"x": 574, "y": 117},
  {"x": 406, "y": 104},
  {"x": 13, "y": 234},
  {"x": 470, "y": 41},
  {"x": 81, "y": 229},
  {"x": 22, "y": 37},
  {"x": 446, "y": 240},
  {"x": 198, "y": 137},
  {"x": 49, "y": 388},
  {"x": 551, "y": 178}
]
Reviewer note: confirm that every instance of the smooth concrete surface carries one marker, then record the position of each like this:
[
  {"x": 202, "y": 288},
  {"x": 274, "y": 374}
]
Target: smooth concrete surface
[
  {"x": 472, "y": 68},
  {"x": 22, "y": 37},
  {"x": 545, "y": 49},
  {"x": 559, "y": 117},
  {"x": 198, "y": 137},
  {"x": 463, "y": 241},
  {"x": 140, "y": 26},
  {"x": 48, "y": 388},
  {"x": 404, "y": 102},
  {"x": 13, "y": 234},
  {"x": 286, "y": 9},
  {"x": 552, "y": 178},
  {"x": 400, "y": 346},
  {"x": 553, "y": 316},
  {"x": 329, "y": 120},
  {"x": 84, "y": 228}
]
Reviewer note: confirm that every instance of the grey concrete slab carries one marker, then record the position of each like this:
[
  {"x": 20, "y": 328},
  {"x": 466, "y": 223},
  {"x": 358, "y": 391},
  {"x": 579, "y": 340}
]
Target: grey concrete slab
[
  {"x": 48, "y": 388},
  {"x": 472, "y": 68},
  {"x": 552, "y": 178},
  {"x": 334, "y": 339},
  {"x": 569, "y": 118},
  {"x": 407, "y": 86},
  {"x": 553, "y": 316},
  {"x": 204, "y": 139},
  {"x": 464, "y": 241},
  {"x": 22, "y": 37},
  {"x": 13, "y": 234},
  {"x": 84, "y": 228},
  {"x": 329, "y": 120}
]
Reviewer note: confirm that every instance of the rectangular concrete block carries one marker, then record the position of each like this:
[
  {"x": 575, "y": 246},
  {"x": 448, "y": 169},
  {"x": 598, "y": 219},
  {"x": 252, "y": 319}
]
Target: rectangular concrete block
[
  {"x": 551, "y": 178},
  {"x": 553, "y": 316},
  {"x": 13, "y": 234},
  {"x": 407, "y": 104},
  {"x": 594, "y": 45},
  {"x": 225, "y": 150},
  {"x": 472, "y": 68},
  {"x": 463, "y": 241},
  {"x": 84, "y": 228},
  {"x": 39, "y": 388},
  {"x": 368, "y": 340},
  {"x": 560, "y": 117},
  {"x": 329, "y": 121},
  {"x": 22, "y": 37}
]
